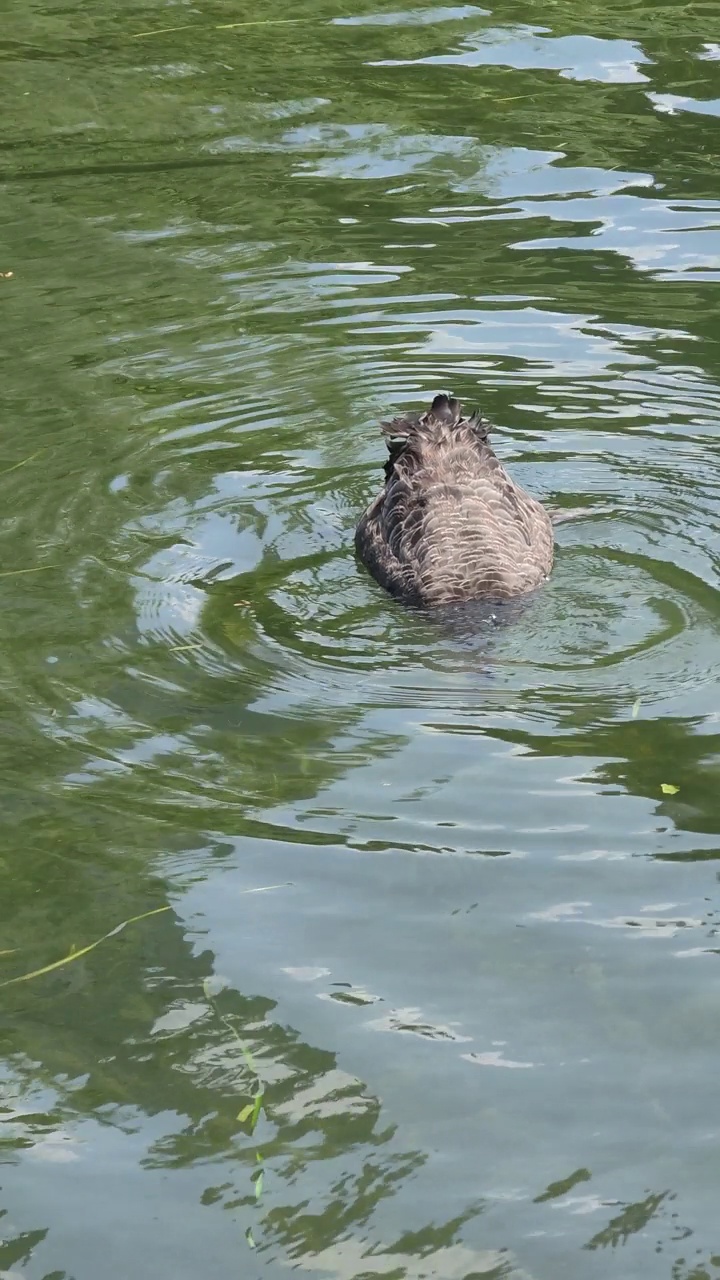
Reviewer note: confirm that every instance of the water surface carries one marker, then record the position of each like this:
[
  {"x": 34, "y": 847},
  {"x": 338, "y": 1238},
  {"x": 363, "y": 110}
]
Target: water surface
[{"x": 479, "y": 987}]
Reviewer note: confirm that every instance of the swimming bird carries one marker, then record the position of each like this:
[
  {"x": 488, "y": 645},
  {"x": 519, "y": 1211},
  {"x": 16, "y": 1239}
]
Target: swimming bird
[{"x": 450, "y": 524}]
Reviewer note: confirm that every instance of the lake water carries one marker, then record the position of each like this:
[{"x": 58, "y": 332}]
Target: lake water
[{"x": 469, "y": 1027}]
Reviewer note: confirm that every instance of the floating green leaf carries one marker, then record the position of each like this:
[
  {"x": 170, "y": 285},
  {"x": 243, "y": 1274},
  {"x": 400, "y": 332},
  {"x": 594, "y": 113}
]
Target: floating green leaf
[
  {"x": 252, "y": 1111},
  {"x": 75, "y": 954},
  {"x": 32, "y": 456},
  {"x": 636, "y": 708},
  {"x": 257, "y": 1108},
  {"x": 248, "y": 1058},
  {"x": 15, "y": 573},
  {"x": 668, "y": 789},
  {"x": 217, "y": 26}
]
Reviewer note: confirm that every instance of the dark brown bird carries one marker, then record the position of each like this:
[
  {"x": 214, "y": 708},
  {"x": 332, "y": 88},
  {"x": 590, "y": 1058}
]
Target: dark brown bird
[{"x": 450, "y": 524}]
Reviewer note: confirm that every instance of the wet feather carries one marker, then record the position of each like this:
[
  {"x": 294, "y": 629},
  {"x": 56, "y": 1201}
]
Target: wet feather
[{"x": 450, "y": 524}]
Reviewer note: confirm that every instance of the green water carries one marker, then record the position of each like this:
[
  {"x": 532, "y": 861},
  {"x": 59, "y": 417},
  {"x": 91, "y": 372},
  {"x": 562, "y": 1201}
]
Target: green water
[{"x": 480, "y": 989}]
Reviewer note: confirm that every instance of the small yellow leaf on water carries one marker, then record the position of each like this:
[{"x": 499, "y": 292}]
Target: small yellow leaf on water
[
  {"x": 636, "y": 708},
  {"x": 246, "y": 1112},
  {"x": 668, "y": 789}
]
